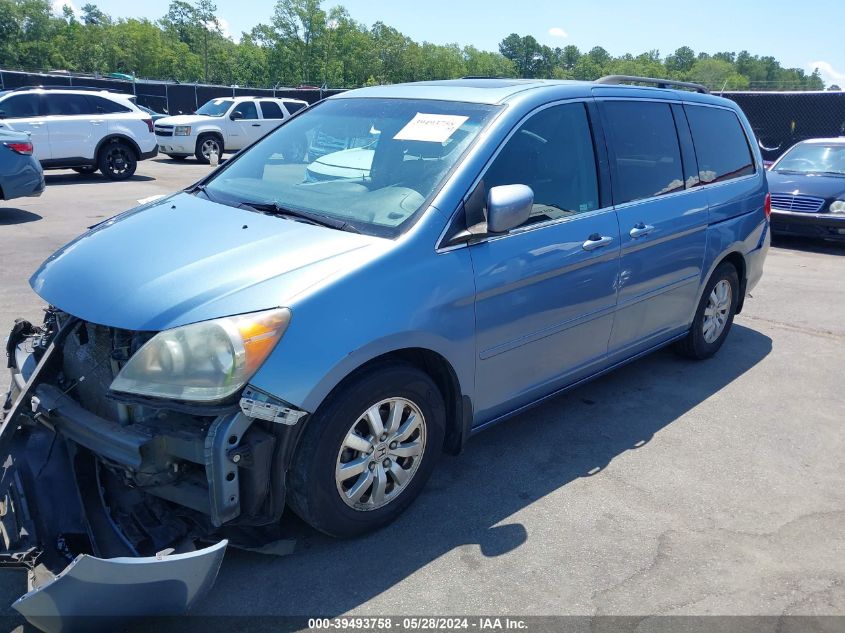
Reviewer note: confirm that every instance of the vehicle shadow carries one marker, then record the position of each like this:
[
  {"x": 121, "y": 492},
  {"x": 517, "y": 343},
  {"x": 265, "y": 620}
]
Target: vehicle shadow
[
  {"x": 809, "y": 245},
  {"x": 13, "y": 215},
  {"x": 54, "y": 180},
  {"x": 470, "y": 498}
]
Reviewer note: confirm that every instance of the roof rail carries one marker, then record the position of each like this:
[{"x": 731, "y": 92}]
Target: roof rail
[
  {"x": 660, "y": 83},
  {"x": 89, "y": 88}
]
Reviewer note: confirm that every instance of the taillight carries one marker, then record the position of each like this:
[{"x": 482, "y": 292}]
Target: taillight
[
  {"x": 20, "y": 148},
  {"x": 767, "y": 205},
  {"x": 149, "y": 123}
]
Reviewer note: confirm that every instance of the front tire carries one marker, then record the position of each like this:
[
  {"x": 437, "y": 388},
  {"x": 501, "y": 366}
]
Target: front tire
[
  {"x": 715, "y": 314},
  {"x": 208, "y": 144},
  {"x": 368, "y": 451},
  {"x": 117, "y": 161}
]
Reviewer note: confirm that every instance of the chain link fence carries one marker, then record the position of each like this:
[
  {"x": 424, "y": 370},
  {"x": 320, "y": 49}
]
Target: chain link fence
[
  {"x": 162, "y": 96},
  {"x": 779, "y": 119}
]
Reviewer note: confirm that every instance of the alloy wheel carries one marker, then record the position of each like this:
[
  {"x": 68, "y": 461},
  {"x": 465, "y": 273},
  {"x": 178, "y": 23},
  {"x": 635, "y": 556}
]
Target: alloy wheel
[
  {"x": 380, "y": 454},
  {"x": 718, "y": 311}
]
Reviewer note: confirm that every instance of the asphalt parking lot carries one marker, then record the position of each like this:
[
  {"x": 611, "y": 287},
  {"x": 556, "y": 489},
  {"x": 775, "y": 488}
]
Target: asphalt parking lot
[{"x": 670, "y": 487}]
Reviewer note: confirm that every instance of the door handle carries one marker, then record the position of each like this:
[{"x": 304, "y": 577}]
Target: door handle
[
  {"x": 640, "y": 230},
  {"x": 596, "y": 241},
  {"x": 256, "y": 125}
]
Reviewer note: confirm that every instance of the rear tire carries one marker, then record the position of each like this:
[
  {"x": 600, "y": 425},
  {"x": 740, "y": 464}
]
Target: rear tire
[
  {"x": 383, "y": 470},
  {"x": 206, "y": 145},
  {"x": 714, "y": 316},
  {"x": 117, "y": 161}
]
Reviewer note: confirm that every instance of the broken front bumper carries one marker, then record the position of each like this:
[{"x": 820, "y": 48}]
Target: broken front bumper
[{"x": 83, "y": 572}]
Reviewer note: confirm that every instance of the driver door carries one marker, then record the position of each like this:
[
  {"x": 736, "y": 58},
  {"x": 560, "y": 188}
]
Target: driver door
[{"x": 546, "y": 290}]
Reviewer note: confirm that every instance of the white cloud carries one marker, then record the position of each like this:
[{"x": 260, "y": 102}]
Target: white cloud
[
  {"x": 58, "y": 6},
  {"x": 556, "y": 31},
  {"x": 829, "y": 74}
]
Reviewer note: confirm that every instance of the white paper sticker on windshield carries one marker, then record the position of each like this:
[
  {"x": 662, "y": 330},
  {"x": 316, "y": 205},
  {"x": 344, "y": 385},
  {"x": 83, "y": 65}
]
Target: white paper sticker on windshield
[{"x": 435, "y": 128}]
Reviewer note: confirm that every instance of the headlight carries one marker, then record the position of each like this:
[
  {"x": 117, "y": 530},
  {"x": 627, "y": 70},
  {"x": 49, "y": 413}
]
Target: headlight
[
  {"x": 203, "y": 362},
  {"x": 837, "y": 206},
  {"x": 182, "y": 130}
]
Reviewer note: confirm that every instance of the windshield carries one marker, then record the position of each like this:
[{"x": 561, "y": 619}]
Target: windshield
[
  {"x": 814, "y": 158},
  {"x": 371, "y": 163},
  {"x": 215, "y": 107}
]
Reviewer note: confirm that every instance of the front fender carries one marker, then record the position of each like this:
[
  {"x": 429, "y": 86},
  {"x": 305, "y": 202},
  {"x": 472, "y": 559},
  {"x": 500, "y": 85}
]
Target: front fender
[{"x": 404, "y": 300}]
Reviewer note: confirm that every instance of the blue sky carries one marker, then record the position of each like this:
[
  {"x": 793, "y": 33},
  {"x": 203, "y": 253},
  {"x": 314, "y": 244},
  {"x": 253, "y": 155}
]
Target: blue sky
[{"x": 799, "y": 34}]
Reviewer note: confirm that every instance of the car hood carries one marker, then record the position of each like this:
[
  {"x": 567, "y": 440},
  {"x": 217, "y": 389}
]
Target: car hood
[
  {"x": 186, "y": 119},
  {"x": 806, "y": 184},
  {"x": 185, "y": 259}
]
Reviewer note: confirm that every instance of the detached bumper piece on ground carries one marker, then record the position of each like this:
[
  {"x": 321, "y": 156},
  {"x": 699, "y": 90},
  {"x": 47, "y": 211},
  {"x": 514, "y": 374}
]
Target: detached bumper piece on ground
[{"x": 94, "y": 547}]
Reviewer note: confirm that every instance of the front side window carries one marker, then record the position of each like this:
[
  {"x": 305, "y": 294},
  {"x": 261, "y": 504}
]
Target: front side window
[
  {"x": 372, "y": 163},
  {"x": 813, "y": 158},
  {"x": 247, "y": 109},
  {"x": 68, "y": 104},
  {"x": 215, "y": 107},
  {"x": 20, "y": 106},
  {"x": 271, "y": 110},
  {"x": 553, "y": 154},
  {"x": 720, "y": 144},
  {"x": 645, "y": 150}
]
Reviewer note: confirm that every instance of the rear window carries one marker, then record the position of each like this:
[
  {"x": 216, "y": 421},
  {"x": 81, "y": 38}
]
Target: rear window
[
  {"x": 645, "y": 148},
  {"x": 721, "y": 146}
]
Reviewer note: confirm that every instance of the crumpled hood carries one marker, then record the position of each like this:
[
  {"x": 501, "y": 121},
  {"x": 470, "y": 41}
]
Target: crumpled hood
[
  {"x": 185, "y": 119},
  {"x": 185, "y": 259},
  {"x": 811, "y": 185}
]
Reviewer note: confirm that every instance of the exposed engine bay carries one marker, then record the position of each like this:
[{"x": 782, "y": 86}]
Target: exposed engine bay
[{"x": 133, "y": 499}]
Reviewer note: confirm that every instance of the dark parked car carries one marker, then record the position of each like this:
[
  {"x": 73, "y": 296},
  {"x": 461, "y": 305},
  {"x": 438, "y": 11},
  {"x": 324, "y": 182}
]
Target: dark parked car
[
  {"x": 20, "y": 171},
  {"x": 807, "y": 185}
]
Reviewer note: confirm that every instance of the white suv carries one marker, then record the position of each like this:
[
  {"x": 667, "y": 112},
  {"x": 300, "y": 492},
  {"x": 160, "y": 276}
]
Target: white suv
[
  {"x": 225, "y": 124},
  {"x": 81, "y": 129}
]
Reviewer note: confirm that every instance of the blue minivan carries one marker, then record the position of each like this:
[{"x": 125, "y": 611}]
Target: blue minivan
[{"x": 389, "y": 272}]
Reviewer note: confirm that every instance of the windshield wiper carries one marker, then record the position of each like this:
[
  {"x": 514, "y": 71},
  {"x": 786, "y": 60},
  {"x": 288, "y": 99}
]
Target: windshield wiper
[
  {"x": 274, "y": 208},
  {"x": 203, "y": 190}
]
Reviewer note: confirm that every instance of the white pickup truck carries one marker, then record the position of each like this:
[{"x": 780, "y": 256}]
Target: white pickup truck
[{"x": 227, "y": 124}]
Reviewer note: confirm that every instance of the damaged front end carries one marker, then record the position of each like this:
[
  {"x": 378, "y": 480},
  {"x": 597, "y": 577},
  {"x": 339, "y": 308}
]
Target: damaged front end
[{"x": 104, "y": 498}]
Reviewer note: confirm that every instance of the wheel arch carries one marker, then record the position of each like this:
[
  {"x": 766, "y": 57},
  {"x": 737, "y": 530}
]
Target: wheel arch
[
  {"x": 440, "y": 370},
  {"x": 738, "y": 261},
  {"x": 213, "y": 132},
  {"x": 114, "y": 138}
]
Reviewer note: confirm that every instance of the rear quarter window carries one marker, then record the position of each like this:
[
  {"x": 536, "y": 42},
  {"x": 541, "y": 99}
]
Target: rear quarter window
[
  {"x": 292, "y": 106},
  {"x": 721, "y": 146},
  {"x": 107, "y": 106}
]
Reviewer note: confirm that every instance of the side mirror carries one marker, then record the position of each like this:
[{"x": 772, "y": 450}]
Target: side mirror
[
  {"x": 237, "y": 114},
  {"x": 508, "y": 206}
]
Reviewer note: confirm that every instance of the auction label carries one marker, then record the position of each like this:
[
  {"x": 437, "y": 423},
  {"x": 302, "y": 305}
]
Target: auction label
[{"x": 434, "y": 128}]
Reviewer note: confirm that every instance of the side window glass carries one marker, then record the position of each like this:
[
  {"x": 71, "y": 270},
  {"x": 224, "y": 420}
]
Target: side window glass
[
  {"x": 644, "y": 148},
  {"x": 105, "y": 106},
  {"x": 552, "y": 152},
  {"x": 20, "y": 106},
  {"x": 248, "y": 109},
  {"x": 721, "y": 146},
  {"x": 271, "y": 110},
  {"x": 293, "y": 106},
  {"x": 68, "y": 105}
]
